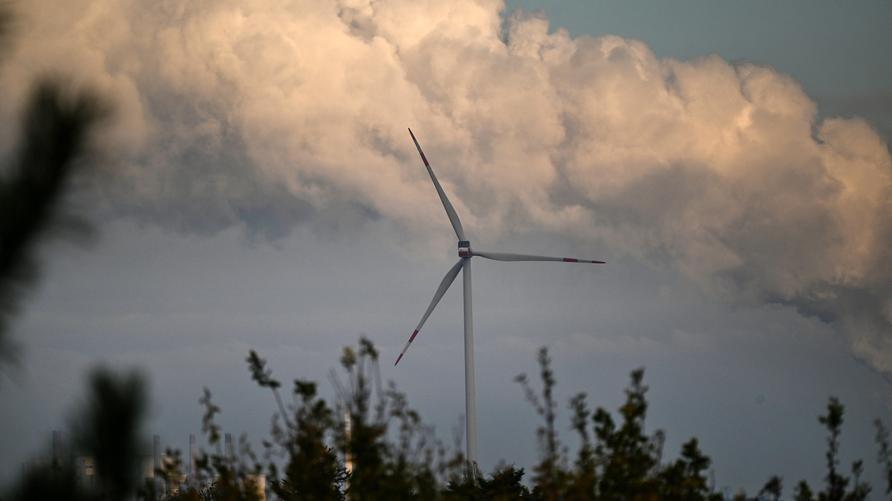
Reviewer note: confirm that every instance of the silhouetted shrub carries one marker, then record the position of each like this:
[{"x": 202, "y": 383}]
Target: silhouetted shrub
[
  {"x": 836, "y": 484},
  {"x": 370, "y": 445}
]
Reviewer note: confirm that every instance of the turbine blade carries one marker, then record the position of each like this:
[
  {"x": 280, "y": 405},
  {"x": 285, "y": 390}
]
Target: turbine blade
[
  {"x": 450, "y": 211},
  {"x": 444, "y": 286},
  {"x": 504, "y": 256}
]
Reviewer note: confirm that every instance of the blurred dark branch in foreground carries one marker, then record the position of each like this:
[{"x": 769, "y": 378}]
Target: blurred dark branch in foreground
[
  {"x": 55, "y": 132},
  {"x": 107, "y": 432}
]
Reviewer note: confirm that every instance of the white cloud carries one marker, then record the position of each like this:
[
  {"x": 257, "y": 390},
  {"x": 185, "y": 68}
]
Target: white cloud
[{"x": 246, "y": 111}]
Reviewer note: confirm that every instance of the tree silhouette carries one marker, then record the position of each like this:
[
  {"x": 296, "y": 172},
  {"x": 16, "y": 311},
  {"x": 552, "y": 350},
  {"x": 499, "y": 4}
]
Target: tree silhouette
[
  {"x": 370, "y": 445},
  {"x": 884, "y": 454},
  {"x": 835, "y": 484},
  {"x": 623, "y": 463}
]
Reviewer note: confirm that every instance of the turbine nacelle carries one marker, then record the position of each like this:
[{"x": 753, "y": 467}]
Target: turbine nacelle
[{"x": 464, "y": 248}]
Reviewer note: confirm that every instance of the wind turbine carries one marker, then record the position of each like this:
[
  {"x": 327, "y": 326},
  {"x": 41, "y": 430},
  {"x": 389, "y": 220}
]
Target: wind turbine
[{"x": 465, "y": 253}]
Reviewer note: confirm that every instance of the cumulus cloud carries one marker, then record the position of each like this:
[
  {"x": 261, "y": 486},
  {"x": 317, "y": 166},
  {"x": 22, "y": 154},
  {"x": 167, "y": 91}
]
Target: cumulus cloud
[{"x": 275, "y": 112}]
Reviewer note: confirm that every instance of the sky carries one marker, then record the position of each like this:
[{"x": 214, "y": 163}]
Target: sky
[{"x": 259, "y": 190}]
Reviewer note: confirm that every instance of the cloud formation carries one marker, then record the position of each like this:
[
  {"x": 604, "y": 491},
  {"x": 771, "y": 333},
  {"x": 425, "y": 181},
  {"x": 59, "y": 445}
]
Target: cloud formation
[{"x": 269, "y": 113}]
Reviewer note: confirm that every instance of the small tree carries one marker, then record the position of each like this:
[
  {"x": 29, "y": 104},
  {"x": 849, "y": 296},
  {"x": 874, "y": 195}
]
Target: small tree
[
  {"x": 623, "y": 462},
  {"x": 773, "y": 488},
  {"x": 884, "y": 454},
  {"x": 628, "y": 458},
  {"x": 551, "y": 475},
  {"x": 835, "y": 484}
]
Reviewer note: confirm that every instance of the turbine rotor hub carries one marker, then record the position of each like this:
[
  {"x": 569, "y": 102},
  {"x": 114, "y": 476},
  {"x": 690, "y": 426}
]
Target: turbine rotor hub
[{"x": 464, "y": 248}]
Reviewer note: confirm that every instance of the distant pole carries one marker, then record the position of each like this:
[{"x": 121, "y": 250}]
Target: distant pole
[
  {"x": 156, "y": 452},
  {"x": 57, "y": 449},
  {"x": 230, "y": 451},
  {"x": 156, "y": 465},
  {"x": 348, "y": 457},
  {"x": 191, "y": 457}
]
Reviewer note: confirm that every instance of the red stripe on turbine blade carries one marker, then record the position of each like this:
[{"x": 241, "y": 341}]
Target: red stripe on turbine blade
[
  {"x": 412, "y": 338},
  {"x": 418, "y": 146},
  {"x": 570, "y": 260},
  {"x": 398, "y": 359}
]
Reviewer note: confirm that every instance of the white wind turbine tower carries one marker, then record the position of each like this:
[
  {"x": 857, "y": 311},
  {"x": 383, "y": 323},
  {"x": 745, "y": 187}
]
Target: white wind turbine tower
[{"x": 465, "y": 253}]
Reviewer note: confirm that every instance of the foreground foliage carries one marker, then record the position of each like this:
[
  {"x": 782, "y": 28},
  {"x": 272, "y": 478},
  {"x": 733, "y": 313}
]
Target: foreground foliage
[{"x": 368, "y": 444}]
